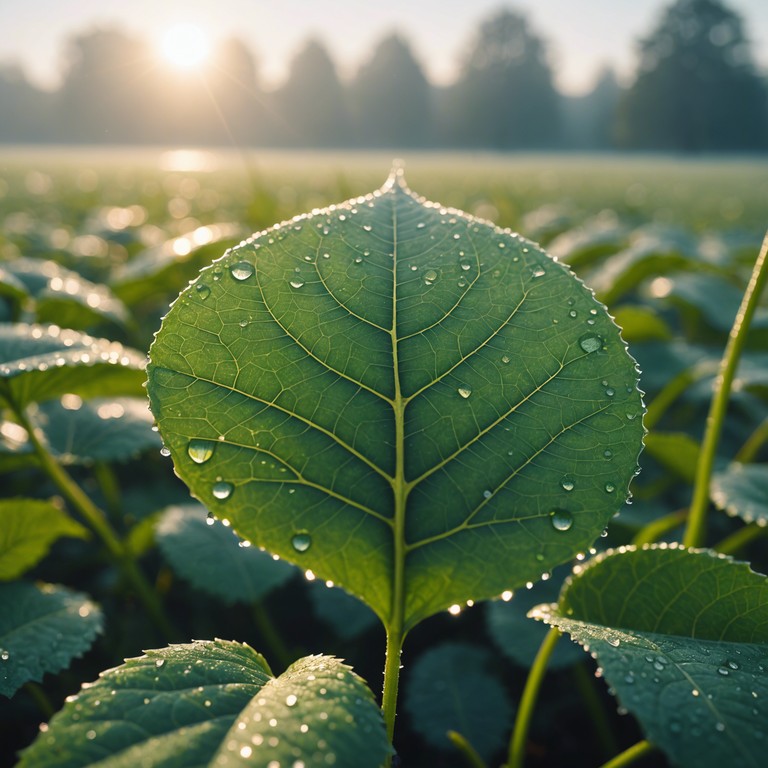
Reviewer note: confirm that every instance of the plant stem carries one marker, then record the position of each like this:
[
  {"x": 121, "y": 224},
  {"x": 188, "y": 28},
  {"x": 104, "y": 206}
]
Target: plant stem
[
  {"x": 753, "y": 443},
  {"x": 469, "y": 753},
  {"x": 270, "y": 635},
  {"x": 696, "y": 529},
  {"x": 98, "y": 522},
  {"x": 585, "y": 682},
  {"x": 628, "y": 756},
  {"x": 391, "y": 680},
  {"x": 732, "y": 544},
  {"x": 528, "y": 700},
  {"x": 661, "y": 525},
  {"x": 43, "y": 703}
]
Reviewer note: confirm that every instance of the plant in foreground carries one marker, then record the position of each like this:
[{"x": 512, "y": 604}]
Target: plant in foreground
[{"x": 427, "y": 411}]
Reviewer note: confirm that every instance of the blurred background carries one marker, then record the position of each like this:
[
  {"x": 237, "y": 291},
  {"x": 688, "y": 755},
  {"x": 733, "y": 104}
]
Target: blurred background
[{"x": 684, "y": 76}]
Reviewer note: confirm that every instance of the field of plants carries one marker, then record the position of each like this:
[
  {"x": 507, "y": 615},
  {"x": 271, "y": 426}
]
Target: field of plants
[{"x": 403, "y": 399}]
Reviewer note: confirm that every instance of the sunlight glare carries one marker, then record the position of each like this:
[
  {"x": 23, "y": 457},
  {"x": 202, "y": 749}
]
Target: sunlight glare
[{"x": 185, "y": 46}]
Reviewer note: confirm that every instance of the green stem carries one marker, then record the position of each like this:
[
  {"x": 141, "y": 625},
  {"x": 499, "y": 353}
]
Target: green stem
[
  {"x": 98, "y": 522},
  {"x": 391, "y": 680},
  {"x": 630, "y": 755},
  {"x": 271, "y": 636},
  {"x": 696, "y": 529},
  {"x": 662, "y": 525},
  {"x": 670, "y": 392},
  {"x": 585, "y": 682},
  {"x": 110, "y": 488},
  {"x": 734, "y": 543},
  {"x": 472, "y": 759},
  {"x": 39, "y": 697},
  {"x": 754, "y": 442},
  {"x": 528, "y": 700}
]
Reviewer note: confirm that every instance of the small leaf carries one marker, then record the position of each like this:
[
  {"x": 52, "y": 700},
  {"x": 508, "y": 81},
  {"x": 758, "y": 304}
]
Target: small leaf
[
  {"x": 676, "y": 451},
  {"x": 209, "y": 557},
  {"x": 28, "y": 527},
  {"x": 41, "y": 362},
  {"x": 216, "y": 704},
  {"x": 742, "y": 491},
  {"x": 682, "y": 637},
  {"x": 451, "y": 688},
  {"x": 390, "y": 392},
  {"x": 42, "y": 628}
]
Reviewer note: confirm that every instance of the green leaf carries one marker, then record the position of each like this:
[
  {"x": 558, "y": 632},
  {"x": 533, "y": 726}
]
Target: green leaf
[
  {"x": 641, "y": 324},
  {"x": 398, "y": 396},
  {"x": 42, "y": 628},
  {"x": 66, "y": 297},
  {"x": 13, "y": 291},
  {"x": 159, "y": 270},
  {"x": 209, "y": 557},
  {"x": 590, "y": 241},
  {"x": 216, "y": 704},
  {"x": 451, "y": 688},
  {"x": 682, "y": 637},
  {"x": 28, "y": 527},
  {"x": 742, "y": 491},
  {"x": 42, "y": 362},
  {"x": 519, "y": 637},
  {"x": 676, "y": 451}
]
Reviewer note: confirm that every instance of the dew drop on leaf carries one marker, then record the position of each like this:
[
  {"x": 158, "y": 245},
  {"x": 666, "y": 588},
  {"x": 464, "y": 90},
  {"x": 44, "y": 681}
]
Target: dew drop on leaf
[
  {"x": 590, "y": 343},
  {"x": 465, "y": 391},
  {"x": 610, "y": 487},
  {"x": 430, "y": 276},
  {"x": 301, "y": 541},
  {"x": 222, "y": 490},
  {"x": 203, "y": 291},
  {"x": 241, "y": 271},
  {"x": 200, "y": 450},
  {"x": 297, "y": 282},
  {"x": 561, "y": 519},
  {"x": 567, "y": 484}
]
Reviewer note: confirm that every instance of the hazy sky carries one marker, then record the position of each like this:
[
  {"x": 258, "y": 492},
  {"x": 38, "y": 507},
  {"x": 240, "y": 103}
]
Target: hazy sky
[{"x": 582, "y": 35}]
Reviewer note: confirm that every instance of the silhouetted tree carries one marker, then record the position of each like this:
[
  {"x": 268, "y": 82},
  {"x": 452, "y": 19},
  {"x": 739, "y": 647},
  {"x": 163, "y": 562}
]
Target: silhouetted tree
[
  {"x": 392, "y": 98},
  {"x": 696, "y": 87},
  {"x": 504, "y": 97},
  {"x": 26, "y": 112},
  {"x": 312, "y": 103}
]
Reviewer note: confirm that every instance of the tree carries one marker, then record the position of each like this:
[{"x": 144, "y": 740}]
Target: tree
[
  {"x": 312, "y": 103},
  {"x": 26, "y": 113},
  {"x": 504, "y": 97},
  {"x": 696, "y": 87},
  {"x": 392, "y": 98},
  {"x": 589, "y": 121}
]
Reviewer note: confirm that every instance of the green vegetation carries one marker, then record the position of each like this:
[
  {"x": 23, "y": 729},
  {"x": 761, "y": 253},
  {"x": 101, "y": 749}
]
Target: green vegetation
[{"x": 405, "y": 401}]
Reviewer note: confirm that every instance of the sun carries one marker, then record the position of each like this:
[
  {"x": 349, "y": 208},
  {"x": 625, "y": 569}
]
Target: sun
[{"x": 185, "y": 46}]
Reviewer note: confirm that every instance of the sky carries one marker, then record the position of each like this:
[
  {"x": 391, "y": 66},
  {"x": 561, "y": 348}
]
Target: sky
[{"x": 583, "y": 35}]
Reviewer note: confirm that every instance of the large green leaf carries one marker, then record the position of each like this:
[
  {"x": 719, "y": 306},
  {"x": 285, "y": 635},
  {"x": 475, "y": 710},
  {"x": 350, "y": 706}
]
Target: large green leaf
[
  {"x": 41, "y": 362},
  {"x": 42, "y": 628},
  {"x": 452, "y": 688},
  {"x": 682, "y": 637},
  {"x": 408, "y": 401},
  {"x": 216, "y": 704},
  {"x": 28, "y": 527},
  {"x": 209, "y": 557},
  {"x": 742, "y": 491}
]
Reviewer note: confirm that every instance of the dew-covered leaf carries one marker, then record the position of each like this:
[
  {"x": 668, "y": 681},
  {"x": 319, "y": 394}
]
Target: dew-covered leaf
[
  {"x": 388, "y": 388},
  {"x": 81, "y": 431},
  {"x": 210, "y": 558},
  {"x": 216, "y": 703},
  {"x": 519, "y": 637},
  {"x": 452, "y": 688},
  {"x": 742, "y": 491},
  {"x": 682, "y": 637},
  {"x": 42, "y": 628},
  {"x": 65, "y": 297},
  {"x": 160, "y": 270},
  {"x": 28, "y": 527},
  {"x": 676, "y": 451},
  {"x": 42, "y": 362}
]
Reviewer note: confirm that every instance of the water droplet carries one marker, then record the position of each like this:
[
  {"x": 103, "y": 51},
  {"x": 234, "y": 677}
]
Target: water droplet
[
  {"x": 465, "y": 265},
  {"x": 733, "y": 665},
  {"x": 222, "y": 490},
  {"x": 203, "y": 291},
  {"x": 241, "y": 271},
  {"x": 722, "y": 671},
  {"x": 200, "y": 450},
  {"x": 358, "y": 259},
  {"x": 538, "y": 272},
  {"x": 159, "y": 662},
  {"x": 430, "y": 276},
  {"x": 561, "y": 519},
  {"x": 614, "y": 641},
  {"x": 164, "y": 451},
  {"x": 608, "y": 454},
  {"x": 465, "y": 391},
  {"x": 301, "y": 541},
  {"x": 573, "y": 313},
  {"x": 720, "y": 727},
  {"x": 610, "y": 391},
  {"x": 487, "y": 494},
  {"x": 291, "y": 700},
  {"x": 297, "y": 282},
  {"x": 4, "y": 655},
  {"x": 567, "y": 484},
  {"x": 610, "y": 487},
  {"x": 590, "y": 343},
  {"x": 505, "y": 359},
  {"x": 90, "y": 735}
]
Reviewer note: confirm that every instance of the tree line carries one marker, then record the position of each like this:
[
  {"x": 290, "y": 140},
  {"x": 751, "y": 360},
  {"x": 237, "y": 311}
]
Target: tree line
[{"x": 696, "y": 89}]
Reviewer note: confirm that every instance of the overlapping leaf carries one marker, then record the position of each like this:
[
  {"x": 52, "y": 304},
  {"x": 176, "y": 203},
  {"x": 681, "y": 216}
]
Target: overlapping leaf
[
  {"x": 216, "y": 704},
  {"x": 682, "y": 637},
  {"x": 742, "y": 491},
  {"x": 408, "y": 401}
]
